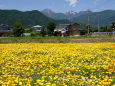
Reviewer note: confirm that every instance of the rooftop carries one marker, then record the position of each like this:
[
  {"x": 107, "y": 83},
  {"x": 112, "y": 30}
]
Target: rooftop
[{"x": 37, "y": 26}]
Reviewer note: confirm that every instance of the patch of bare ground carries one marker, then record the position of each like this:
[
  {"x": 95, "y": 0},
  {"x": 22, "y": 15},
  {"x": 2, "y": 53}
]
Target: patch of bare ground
[
  {"x": 5, "y": 41},
  {"x": 95, "y": 40},
  {"x": 38, "y": 41}
]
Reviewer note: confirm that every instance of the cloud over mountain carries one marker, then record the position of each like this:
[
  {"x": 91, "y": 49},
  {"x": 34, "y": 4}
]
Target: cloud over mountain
[
  {"x": 72, "y": 3},
  {"x": 96, "y": 1}
]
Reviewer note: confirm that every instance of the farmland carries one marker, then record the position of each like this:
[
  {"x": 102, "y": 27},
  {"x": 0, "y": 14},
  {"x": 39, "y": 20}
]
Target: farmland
[
  {"x": 73, "y": 39},
  {"x": 57, "y": 64}
]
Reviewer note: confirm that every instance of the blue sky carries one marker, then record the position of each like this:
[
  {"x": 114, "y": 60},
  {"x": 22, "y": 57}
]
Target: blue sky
[{"x": 58, "y": 5}]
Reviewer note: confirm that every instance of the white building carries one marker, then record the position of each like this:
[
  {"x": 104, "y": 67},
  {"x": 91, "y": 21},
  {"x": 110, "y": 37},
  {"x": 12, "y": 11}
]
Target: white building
[
  {"x": 37, "y": 28},
  {"x": 26, "y": 34},
  {"x": 60, "y": 30}
]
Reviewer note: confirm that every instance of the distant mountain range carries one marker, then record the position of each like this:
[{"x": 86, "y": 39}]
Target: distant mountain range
[
  {"x": 68, "y": 15},
  {"x": 30, "y": 18},
  {"x": 104, "y": 18}
]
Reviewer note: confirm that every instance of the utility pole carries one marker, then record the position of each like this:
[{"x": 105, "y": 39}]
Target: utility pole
[
  {"x": 98, "y": 23},
  {"x": 70, "y": 17},
  {"x": 88, "y": 24},
  {"x": 65, "y": 18}
]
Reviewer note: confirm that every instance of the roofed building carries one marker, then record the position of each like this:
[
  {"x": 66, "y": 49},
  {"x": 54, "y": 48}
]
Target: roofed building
[
  {"x": 37, "y": 28},
  {"x": 75, "y": 30},
  {"x": 60, "y": 30},
  {"x": 69, "y": 30},
  {"x": 5, "y": 28}
]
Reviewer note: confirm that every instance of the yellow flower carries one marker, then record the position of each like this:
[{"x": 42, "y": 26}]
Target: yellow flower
[
  {"x": 20, "y": 83},
  {"x": 57, "y": 64}
]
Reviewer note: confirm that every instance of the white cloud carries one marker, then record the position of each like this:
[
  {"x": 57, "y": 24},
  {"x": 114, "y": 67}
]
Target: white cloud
[
  {"x": 96, "y": 1},
  {"x": 72, "y": 3}
]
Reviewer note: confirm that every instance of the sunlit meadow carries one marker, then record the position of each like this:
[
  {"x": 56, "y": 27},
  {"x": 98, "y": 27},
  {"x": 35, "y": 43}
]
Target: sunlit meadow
[{"x": 77, "y": 64}]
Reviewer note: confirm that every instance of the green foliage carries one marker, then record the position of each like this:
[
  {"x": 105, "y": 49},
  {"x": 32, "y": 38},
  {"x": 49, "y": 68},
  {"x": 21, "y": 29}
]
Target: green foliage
[
  {"x": 29, "y": 30},
  {"x": 102, "y": 29},
  {"x": 28, "y": 18},
  {"x": 18, "y": 29},
  {"x": 51, "y": 26},
  {"x": 43, "y": 32},
  {"x": 6, "y": 34},
  {"x": 105, "y": 29},
  {"x": 105, "y": 18},
  {"x": 48, "y": 39},
  {"x": 89, "y": 28},
  {"x": 34, "y": 34}
]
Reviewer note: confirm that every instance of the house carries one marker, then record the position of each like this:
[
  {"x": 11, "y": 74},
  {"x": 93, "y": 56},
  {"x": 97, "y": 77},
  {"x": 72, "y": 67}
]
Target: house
[
  {"x": 60, "y": 30},
  {"x": 5, "y": 28},
  {"x": 113, "y": 29},
  {"x": 37, "y": 28},
  {"x": 69, "y": 30},
  {"x": 75, "y": 30}
]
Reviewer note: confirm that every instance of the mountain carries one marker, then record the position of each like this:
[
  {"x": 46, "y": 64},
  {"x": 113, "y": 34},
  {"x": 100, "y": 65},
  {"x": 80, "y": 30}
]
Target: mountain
[
  {"x": 47, "y": 12},
  {"x": 104, "y": 18},
  {"x": 84, "y": 13},
  {"x": 28, "y": 18},
  {"x": 68, "y": 15},
  {"x": 53, "y": 14},
  {"x": 71, "y": 13}
]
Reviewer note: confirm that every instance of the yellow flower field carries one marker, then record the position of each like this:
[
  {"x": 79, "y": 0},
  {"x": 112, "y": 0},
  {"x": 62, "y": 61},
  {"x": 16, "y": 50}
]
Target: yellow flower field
[{"x": 35, "y": 64}]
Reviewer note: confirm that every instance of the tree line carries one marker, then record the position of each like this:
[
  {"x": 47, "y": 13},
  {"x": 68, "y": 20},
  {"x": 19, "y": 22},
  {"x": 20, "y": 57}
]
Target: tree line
[
  {"x": 19, "y": 29},
  {"x": 91, "y": 29}
]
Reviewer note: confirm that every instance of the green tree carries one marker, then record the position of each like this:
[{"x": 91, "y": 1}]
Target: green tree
[
  {"x": 89, "y": 28},
  {"x": 18, "y": 29},
  {"x": 51, "y": 26},
  {"x": 29, "y": 30},
  {"x": 105, "y": 29},
  {"x": 43, "y": 32}
]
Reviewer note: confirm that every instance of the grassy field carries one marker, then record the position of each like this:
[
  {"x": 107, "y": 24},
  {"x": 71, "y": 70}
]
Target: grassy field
[{"x": 78, "y": 39}]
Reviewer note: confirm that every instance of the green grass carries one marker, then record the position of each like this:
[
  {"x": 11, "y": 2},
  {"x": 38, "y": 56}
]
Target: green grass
[{"x": 72, "y": 39}]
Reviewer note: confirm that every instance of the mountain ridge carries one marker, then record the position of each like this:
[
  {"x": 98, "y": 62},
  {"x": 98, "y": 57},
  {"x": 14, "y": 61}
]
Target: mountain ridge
[
  {"x": 66, "y": 15},
  {"x": 104, "y": 17},
  {"x": 35, "y": 17},
  {"x": 28, "y": 18}
]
